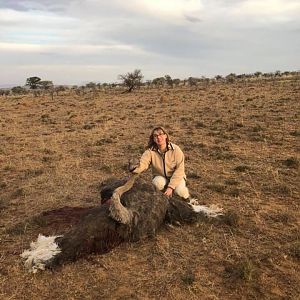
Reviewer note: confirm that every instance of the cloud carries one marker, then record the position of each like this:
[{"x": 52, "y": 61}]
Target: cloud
[
  {"x": 174, "y": 11},
  {"x": 45, "y": 5},
  {"x": 178, "y": 37},
  {"x": 269, "y": 7},
  {"x": 192, "y": 19}
]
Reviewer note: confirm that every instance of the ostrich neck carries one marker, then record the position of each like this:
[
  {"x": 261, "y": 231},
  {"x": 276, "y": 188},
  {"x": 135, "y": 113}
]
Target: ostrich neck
[{"x": 117, "y": 211}]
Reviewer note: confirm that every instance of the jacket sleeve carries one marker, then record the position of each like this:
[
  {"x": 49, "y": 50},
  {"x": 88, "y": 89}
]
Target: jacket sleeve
[
  {"x": 145, "y": 162},
  {"x": 179, "y": 172}
]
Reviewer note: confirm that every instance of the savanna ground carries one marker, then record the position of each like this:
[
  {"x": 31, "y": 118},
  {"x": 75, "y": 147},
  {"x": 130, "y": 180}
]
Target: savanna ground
[{"x": 241, "y": 143}]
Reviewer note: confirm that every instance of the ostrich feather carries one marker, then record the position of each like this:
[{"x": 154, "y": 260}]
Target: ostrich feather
[
  {"x": 212, "y": 211},
  {"x": 40, "y": 252}
]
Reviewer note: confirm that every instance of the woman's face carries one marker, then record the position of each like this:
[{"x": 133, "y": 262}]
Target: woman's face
[{"x": 160, "y": 138}]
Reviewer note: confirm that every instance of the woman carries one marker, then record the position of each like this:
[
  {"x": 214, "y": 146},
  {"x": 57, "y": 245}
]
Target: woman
[{"x": 167, "y": 162}]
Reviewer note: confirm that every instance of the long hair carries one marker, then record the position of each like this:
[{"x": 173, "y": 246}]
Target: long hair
[{"x": 151, "y": 142}]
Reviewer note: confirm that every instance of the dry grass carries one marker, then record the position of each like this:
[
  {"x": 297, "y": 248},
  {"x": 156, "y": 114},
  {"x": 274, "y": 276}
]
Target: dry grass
[{"x": 242, "y": 152}]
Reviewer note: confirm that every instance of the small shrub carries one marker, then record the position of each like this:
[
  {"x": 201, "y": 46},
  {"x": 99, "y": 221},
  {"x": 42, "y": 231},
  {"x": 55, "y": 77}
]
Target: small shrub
[
  {"x": 291, "y": 162},
  {"x": 89, "y": 126},
  {"x": 199, "y": 124},
  {"x": 281, "y": 189},
  {"x": 231, "y": 182},
  {"x": 140, "y": 149},
  {"x": 234, "y": 192},
  {"x": 106, "y": 168},
  {"x": 222, "y": 155},
  {"x": 231, "y": 218},
  {"x": 47, "y": 159},
  {"x": 3, "y": 204},
  {"x": 241, "y": 168},
  {"x": 190, "y": 145},
  {"x": 235, "y": 126},
  {"x": 256, "y": 128},
  {"x": 295, "y": 133},
  {"x": 8, "y": 168},
  {"x": 18, "y": 229},
  {"x": 48, "y": 151},
  {"x": 33, "y": 173},
  {"x": 188, "y": 278},
  {"x": 139, "y": 106},
  {"x": 294, "y": 249},
  {"x": 219, "y": 188},
  {"x": 104, "y": 141},
  {"x": 185, "y": 119},
  {"x": 46, "y": 119},
  {"x": 282, "y": 217},
  {"x": 244, "y": 270},
  {"x": 19, "y": 192},
  {"x": 3, "y": 185},
  {"x": 193, "y": 175},
  {"x": 40, "y": 221},
  {"x": 257, "y": 137}
]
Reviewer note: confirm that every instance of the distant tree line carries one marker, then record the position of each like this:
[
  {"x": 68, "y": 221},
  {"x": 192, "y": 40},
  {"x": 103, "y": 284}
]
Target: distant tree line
[{"x": 134, "y": 80}]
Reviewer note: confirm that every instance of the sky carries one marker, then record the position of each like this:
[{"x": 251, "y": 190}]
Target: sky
[{"x": 79, "y": 41}]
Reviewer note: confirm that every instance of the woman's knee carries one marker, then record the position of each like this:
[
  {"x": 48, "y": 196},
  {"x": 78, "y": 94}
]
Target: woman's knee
[
  {"x": 182, "y": 191},
  {"x": 159, "y": 182}
]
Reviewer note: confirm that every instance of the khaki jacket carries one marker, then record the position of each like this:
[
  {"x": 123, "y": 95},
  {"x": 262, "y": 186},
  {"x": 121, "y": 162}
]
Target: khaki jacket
[{"x": 169, "y": 164}]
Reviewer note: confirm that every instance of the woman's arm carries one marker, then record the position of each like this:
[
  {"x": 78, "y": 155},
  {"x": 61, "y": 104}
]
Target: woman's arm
[
  {"x": 144, "y": 163},
  {"x": 179, "y": 172}
]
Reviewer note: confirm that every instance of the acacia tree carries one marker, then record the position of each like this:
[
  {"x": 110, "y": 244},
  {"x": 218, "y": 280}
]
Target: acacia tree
[
  {"x": 45, "y": 85},
  {"x": 257, "y": 74},
  {"x": 169, "y": 80},
  {"x": 18, "y": 90},
  {"x": 230, "y": 78},
  {"x": 92, "y": 86},
  {"x": 148, "y": 83},
  {"x": 176, "y": 81},
  {"x": 4, "y": 92},
  {"x": 59, "y": 88},
  {"x": 132, "y": 80},
  {"x": 33, "y": 82},
  {"x": 192, "y": 81},
  {"x": 159, "y": 81}
]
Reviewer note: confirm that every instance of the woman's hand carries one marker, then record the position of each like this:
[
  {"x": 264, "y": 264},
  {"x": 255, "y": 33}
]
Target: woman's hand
[
  {"x": 133, "y": 163},
  {"x": 168, "y": 192}
]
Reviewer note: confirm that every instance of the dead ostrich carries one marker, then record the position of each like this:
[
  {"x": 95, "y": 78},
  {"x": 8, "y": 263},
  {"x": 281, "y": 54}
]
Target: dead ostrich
[{"x": 130, "y": 210}]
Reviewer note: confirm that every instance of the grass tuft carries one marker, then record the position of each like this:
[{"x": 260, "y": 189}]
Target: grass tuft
[
  {"x": 244, "y": 270},
  {"x": 216, "y": 187}
]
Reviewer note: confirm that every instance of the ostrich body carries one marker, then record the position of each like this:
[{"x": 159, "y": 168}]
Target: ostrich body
[{"x": 129, "y": 212}]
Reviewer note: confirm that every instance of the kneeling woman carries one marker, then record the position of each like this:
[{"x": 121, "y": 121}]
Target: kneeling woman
[{"x": 167, "y": 162}]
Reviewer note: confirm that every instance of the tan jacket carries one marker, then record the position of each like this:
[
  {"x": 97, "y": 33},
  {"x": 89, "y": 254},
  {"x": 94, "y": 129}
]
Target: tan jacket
[{"x": 169, "y": 164}]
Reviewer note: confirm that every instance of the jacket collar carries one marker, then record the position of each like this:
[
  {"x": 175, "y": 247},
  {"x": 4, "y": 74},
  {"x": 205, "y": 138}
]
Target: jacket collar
[{"x": 169, "y": 147}]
